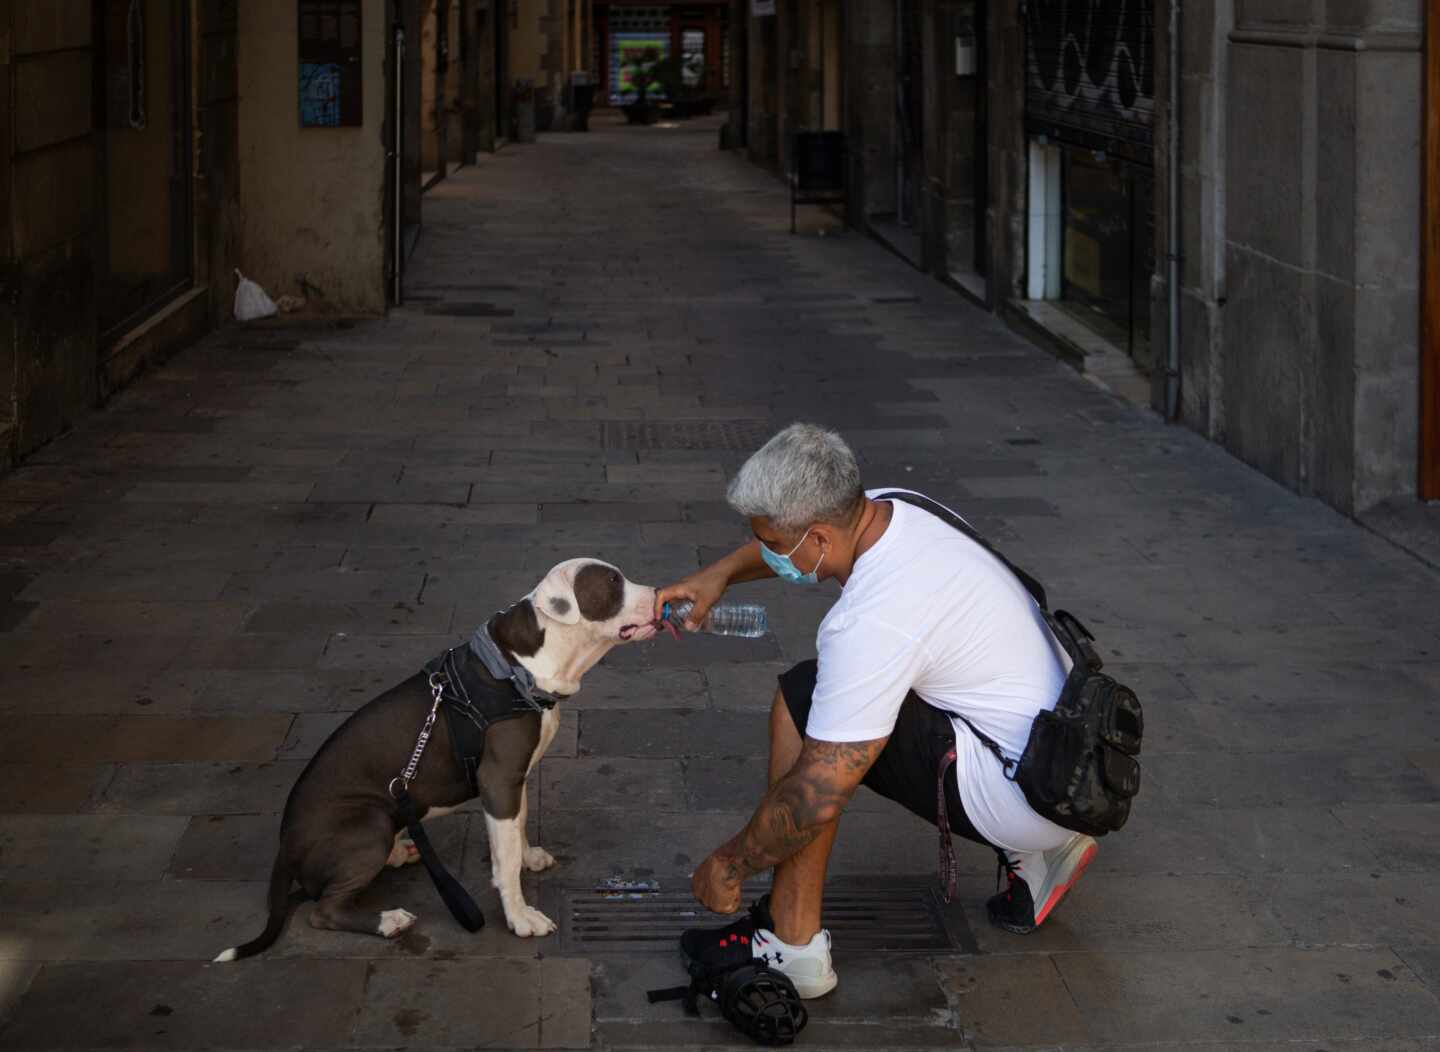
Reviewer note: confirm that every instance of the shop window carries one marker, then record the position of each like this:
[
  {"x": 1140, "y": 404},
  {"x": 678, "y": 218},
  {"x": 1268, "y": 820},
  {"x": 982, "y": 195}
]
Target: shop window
[
  {"x": 1109, "y": 249},
  {"x": 331, "y": 72},
  {"x": 1091, "y": 246},
  {"x": 635, "y": 33}
]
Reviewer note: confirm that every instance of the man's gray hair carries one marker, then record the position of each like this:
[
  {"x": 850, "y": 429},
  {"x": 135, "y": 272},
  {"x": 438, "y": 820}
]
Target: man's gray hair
[{"x": 803, "y": 475}]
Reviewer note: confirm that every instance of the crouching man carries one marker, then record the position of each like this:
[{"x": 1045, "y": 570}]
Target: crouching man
[{"x": 931, "y": 641}]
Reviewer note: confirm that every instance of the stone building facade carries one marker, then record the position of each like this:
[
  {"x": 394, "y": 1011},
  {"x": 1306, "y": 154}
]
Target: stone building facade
[
  {"x": 1024, "y": 155},
  {"x": 149, "y": 148}
]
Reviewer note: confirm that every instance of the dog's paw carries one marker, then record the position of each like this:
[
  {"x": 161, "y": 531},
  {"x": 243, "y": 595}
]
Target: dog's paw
[
  {"x": 393, "y": 922},
  {"x": 538, "y": 859},
  {"x": 527, "y": 922},
  {"x": 403, "y": 853}
]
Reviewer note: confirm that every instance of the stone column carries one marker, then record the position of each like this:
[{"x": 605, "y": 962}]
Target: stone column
[{"x": 1318, "y": 369}]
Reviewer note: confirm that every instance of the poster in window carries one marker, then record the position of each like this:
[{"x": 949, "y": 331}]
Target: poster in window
[{"x": 331, "y": 92}]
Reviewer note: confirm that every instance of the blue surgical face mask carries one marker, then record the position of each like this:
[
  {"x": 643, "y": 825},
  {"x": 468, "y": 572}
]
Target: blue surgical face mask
[{"x": 787, "y": 570}]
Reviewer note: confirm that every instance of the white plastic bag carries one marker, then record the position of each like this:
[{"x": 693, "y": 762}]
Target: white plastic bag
[{"x": 251, "y": 301}]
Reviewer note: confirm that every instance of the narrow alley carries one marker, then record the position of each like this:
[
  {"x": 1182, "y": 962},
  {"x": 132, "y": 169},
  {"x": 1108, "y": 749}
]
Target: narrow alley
[{"x": 198, "y": 583}]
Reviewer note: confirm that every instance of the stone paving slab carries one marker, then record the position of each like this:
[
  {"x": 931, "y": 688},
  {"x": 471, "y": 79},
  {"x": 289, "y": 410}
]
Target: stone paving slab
[
  {"x": 128, "y": 920},
  {"x": 1357, "y": 908},
  {"x": 182, "y": 1005},
  {"x": 220, "y": 690},
  {"x": 606, "y": 688},
  {"x": 76, "y": 617},
  {"x": 1021, "y": 1000},
  {"x": 671, "y": 732},
  {"x": 66, "y": 848},
  {"x": 506, "y": 1004},
  {"x": 225, "y": 847},
  {"x": 1135, "y": 913},
  {"x": 1302, "y": 779},
  {"x": 43, "y": 789},
  {"x": 198, "y": 788},
  {"x": 159, "y": 585},
  {"x": 92, "y": 740},
  {"x": 404, "y": 617},
  {"x": 610, "y": 783},
  {"x": 1319, "y": 995}
]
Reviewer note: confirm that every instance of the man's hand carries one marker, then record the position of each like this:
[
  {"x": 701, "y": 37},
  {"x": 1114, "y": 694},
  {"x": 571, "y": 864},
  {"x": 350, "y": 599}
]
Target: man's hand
[
  {"x": 703, "y": 588},
  {"x": 812, "y": 795},
  {"x": 716, "y": 886}
]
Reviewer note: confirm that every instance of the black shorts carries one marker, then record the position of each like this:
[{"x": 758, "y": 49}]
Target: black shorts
[{"x": 908, "y": 767}]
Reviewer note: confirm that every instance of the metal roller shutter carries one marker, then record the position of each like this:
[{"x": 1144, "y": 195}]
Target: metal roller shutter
[{"x": 1090, "y": 74}]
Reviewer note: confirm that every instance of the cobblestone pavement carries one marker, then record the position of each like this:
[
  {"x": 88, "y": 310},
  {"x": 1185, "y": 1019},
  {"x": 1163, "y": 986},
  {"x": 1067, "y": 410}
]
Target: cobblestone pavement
[{"x": 200, "y": 582}]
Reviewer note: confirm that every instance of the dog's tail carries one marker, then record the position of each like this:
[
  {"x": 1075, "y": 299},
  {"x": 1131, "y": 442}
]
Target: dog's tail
[{"x": 280, "y": 903}]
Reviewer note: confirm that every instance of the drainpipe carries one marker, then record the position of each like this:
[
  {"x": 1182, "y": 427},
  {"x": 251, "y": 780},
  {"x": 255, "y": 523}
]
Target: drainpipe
[{"x": 1172, "y": 281}]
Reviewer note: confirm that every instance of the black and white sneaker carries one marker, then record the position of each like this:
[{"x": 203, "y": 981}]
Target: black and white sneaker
[
  {"x": 1036, "y": 881},
  {"x": 753, "y": 938}
]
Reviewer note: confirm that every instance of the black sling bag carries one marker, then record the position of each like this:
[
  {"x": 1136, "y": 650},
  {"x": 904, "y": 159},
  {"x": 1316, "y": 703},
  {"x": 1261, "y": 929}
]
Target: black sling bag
[{"x": 1079, "y": 767}]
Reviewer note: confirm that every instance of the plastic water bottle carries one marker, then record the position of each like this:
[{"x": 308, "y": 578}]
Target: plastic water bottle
[{"x": 746, "y": 620}]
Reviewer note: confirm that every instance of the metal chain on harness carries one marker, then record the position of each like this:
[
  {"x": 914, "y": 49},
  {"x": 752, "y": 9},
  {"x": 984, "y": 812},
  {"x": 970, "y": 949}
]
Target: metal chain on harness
[{"x": 437, "y": 690}]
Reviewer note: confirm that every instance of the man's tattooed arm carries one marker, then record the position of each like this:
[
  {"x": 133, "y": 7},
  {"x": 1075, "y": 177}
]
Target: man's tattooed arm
[{"x": 800, "y": 805}]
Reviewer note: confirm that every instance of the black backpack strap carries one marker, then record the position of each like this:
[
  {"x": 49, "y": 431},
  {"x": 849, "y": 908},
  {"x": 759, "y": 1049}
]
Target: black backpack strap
[
  {"x": 1073, "y": 636},
  {"x": 1034, "y": 587},
  {"x": 1010, "y": 765}
]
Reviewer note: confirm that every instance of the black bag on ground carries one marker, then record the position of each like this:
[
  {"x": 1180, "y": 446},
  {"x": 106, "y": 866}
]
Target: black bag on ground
[{"x": 1079, "y": 767}]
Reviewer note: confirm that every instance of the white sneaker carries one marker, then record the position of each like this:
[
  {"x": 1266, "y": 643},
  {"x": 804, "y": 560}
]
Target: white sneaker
[
  {"x": 1037, "y": 881},
  {"x": 808, "y": 966},
  {"x": 710, "y": 950}
]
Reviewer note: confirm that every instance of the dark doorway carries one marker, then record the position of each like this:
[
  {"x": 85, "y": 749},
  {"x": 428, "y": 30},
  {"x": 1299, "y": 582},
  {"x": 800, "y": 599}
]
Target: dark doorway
[
  {"x": 503, "y": 124},
  {"x": 909, "y": 113},
  {"x": 142, "y": 93}
]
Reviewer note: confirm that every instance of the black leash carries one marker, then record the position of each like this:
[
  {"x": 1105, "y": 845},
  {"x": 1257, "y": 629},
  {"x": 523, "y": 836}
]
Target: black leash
[
  {"x": 462, "y": 907},
  {"x": 687, "y": 994}
]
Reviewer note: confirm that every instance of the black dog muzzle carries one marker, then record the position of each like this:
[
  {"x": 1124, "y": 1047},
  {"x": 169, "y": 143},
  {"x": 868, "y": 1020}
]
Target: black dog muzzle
[{"x": 761, "y": 1002}]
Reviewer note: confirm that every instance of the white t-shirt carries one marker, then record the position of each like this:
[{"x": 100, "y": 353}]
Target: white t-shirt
[{"x": 929, "y": 610}]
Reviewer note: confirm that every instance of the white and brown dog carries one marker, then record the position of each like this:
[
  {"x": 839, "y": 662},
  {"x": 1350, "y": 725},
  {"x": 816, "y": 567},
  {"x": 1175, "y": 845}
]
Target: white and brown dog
[{"x": 341, "y": 825}]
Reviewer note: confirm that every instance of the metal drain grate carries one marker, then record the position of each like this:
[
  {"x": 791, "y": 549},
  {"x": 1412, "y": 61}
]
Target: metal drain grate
[
  {"x": 740, "y": 436},
  {"x": 887, "y": 918}
]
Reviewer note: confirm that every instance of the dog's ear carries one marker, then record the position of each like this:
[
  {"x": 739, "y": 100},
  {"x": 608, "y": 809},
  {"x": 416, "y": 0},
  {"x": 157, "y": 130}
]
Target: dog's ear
[{"x": 554, "y": 597}]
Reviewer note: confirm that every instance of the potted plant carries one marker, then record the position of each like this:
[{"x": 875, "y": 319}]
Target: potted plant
[{"x": 641, "y": 68}]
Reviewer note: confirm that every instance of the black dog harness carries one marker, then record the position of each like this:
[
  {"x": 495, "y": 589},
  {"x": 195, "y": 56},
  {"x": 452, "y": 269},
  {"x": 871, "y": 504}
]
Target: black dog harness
[
  {"x": 479, "y": 687},
  {"x": 476, "y": 687}
]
